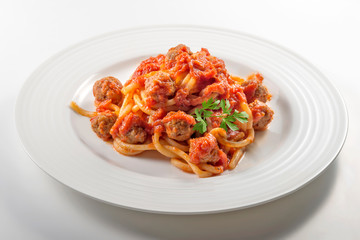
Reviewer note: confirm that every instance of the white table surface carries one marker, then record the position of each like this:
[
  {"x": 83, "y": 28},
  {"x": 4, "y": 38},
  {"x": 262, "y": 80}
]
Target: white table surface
[{"x": 35, "y": 206}]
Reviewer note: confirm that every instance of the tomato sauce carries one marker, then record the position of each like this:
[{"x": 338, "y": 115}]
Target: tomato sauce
[{"x": 147, "y": 66}]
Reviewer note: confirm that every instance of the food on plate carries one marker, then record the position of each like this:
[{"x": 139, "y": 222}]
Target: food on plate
[{"x": 186, "y": 106}]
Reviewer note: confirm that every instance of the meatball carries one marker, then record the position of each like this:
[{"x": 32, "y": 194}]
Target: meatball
[
  {"x": 206, "y": 150},
  {"x": 175, "y": 51},
  {"x": 136, "y": 134},
  {"x": 133, "y": 129},
  {"x": 262, "y": 114},
  {"x": 108, "y": 88},
  {"x": 254, "y": 89},
  {"x": 102, "y": 123},
  {"x": 235, "y": 135},
  {"x": 179, "y": 125},
  {"x": 158, "y": 87}
]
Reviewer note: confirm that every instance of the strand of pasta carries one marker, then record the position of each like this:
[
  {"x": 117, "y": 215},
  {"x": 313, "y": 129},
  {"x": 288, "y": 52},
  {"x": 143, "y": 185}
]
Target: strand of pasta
[
  {"x": 129, "y": 88},
  {"x": 181, "y": 165},
  {"x": 115, "y": 108},
  {"x": 140, "y": 104},
  {"x": 211, "y": 168},
  {"x": 236, "y": 158},
  {"x": 180, "y": 78},
  {"x": 185, "y": 81},
  {"x": 170, "y": 102},
  {"x": 191, "y": 85},
  {"x": 135, "y": 108},
  {"x": 220, "y": 135},
  {"x": 82, "y": 111},
  {"x": 244, "y": 106},
  {"x": 143, "y": 95},
  {"x": 176, "y": 144},
  {"x": 126, "y": 110},
  {"x": 125, "y": 151},
  {"x": 160, "y": 147},
  {"x": 225, "y": 149},
  {"x": 186, "y": 157},
  {"x": 186, "y": 167},
  {"x": 127, "y": 100},
  {"x": 140, "y": 147}
]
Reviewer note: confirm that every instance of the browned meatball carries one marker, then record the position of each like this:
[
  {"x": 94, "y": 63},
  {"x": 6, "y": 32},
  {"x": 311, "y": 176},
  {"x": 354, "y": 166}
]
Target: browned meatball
[
  {"x": 136, "y": 134},
  {"x": 108, "y": 88},
  {"x": 175, "y": 51},
  {"x": 254, "y": 89},
  {"x": 206, "y": 150},
  {"x": 133, "y": 129},
  {"x": 261, "y": 93},
  {"x": 262, "y": 114},
  {"x": 102, "y": 123},
  {"x": 179, "y": 125},
  {"x": 235, "y": 135},
  {"x": 158, "y": 87}
]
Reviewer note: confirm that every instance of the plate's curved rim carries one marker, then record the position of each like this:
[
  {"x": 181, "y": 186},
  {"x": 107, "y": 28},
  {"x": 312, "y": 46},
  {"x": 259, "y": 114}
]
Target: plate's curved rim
[{"x": 203, "y": 27}]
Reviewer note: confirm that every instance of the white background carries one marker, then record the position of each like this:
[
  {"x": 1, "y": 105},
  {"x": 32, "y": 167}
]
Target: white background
[{"x": 35, "y": 206}]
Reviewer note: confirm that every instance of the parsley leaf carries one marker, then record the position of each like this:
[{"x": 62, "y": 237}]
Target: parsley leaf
[
  {"x": 223, "y": 125},
  {"x": 241, "y": 116},
  {"x": 231, "y": 125},
  {"x": 198, "y": 114},
  {"x": 200, "y": 126},
  {"x": 211, "y": 104},
  {"x": 225, "y": 106},
  {"x": 207, "y": 113},
  {"x": 228, "y": 118}
]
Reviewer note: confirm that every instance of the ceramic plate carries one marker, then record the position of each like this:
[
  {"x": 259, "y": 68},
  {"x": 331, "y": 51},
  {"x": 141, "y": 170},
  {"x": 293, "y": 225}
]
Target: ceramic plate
[{"x": 307, "y": 133}]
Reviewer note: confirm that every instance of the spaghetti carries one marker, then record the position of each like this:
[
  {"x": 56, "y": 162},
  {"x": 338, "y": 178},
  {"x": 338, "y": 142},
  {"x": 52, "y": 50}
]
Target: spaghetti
[{"x": 160, "y": 106}]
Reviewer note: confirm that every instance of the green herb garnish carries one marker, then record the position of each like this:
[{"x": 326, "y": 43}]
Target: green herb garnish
[{"x": 228, "y": 118}]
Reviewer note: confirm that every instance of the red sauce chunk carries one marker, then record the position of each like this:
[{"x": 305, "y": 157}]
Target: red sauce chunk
[
  {"x": 202, "y": 67},
  {"x": 156, "y": 119},
  {"x": 236, "y": 96},
  {"x": 147, "y": 66},
  {"x": 215, "y": 121}
]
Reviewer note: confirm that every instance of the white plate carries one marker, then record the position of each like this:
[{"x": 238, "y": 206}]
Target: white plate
[{"x": 307, "y": 133}]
